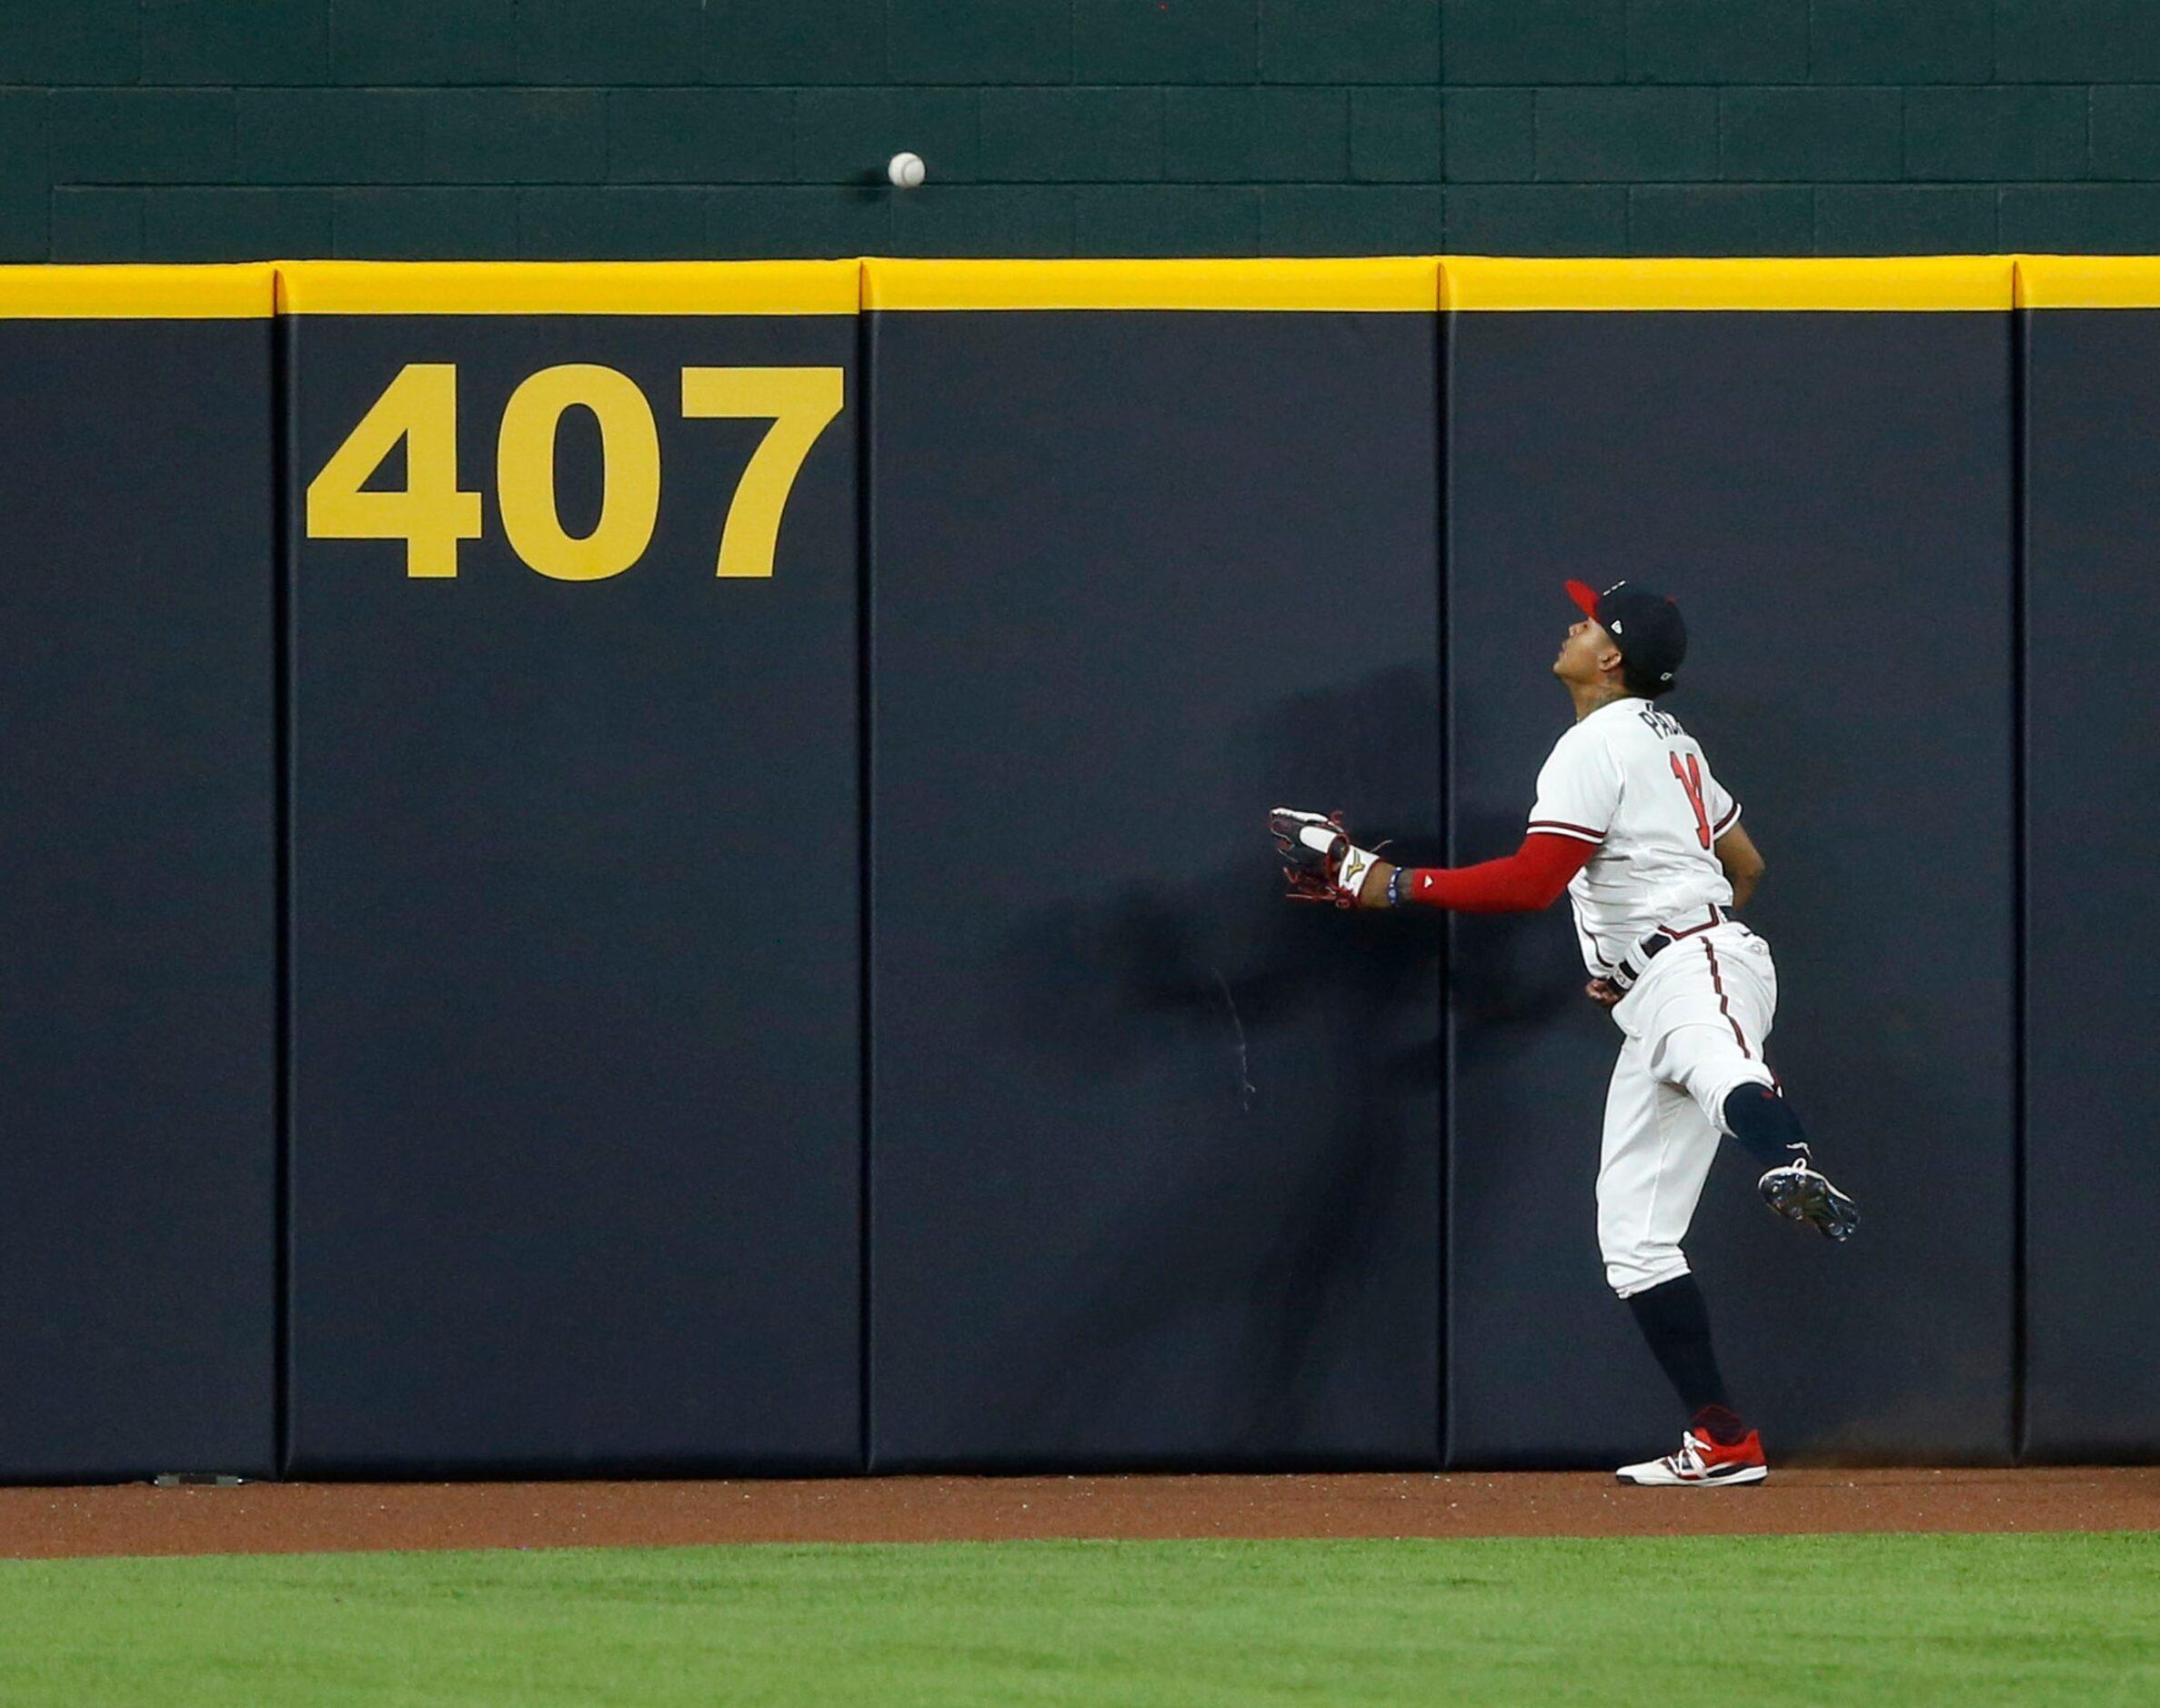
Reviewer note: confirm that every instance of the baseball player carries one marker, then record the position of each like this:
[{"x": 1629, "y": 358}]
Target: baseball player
[{"x": 1632, "y": 823}]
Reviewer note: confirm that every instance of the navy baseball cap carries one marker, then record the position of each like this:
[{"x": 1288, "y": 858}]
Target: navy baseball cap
[{"x": 1644, "y": 626}]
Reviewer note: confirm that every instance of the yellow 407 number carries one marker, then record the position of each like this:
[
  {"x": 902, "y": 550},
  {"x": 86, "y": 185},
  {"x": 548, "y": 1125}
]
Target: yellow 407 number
[{"x": 432, "y": 515}]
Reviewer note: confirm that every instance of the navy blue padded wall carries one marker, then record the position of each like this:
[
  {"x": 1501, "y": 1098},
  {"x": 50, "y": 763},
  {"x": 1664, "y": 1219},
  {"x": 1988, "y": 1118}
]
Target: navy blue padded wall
[
  {"x": 577, "y": 1127},
  {"x": 1154, "y": 1153},
  {"x": 1829, "y": 497},
  {"x": 137, "y": 922},
  {"x": 2092, "y": 773}
]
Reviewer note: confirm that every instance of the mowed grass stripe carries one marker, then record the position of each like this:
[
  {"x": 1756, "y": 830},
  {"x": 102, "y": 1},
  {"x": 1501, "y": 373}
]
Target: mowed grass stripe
[{"x": 1708, "y": 1620}]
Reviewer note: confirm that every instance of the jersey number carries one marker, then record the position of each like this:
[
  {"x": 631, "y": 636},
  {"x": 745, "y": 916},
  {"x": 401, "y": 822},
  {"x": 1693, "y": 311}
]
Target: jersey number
[{"x": 1691, "y": 779}]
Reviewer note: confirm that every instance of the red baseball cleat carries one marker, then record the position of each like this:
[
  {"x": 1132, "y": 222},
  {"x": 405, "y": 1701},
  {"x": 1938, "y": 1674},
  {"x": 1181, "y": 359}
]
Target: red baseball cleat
[{"x": 1702, "y": 1464}]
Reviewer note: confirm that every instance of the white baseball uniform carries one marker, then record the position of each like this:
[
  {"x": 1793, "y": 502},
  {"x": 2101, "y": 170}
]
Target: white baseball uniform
[{"x": 1629, "y": 780}]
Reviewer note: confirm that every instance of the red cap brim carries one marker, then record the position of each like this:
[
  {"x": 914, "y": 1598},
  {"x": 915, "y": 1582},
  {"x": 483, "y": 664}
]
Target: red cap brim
[{"x": 1585, "y": 597}]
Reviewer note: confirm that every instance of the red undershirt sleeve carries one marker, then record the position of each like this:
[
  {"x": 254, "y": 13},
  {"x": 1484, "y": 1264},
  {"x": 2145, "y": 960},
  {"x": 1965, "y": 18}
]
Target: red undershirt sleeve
[{"x": 1532, "y": 877}]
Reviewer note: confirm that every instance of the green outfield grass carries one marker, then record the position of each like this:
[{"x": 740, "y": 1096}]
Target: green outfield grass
[{"x": 1726, "y": 1621}]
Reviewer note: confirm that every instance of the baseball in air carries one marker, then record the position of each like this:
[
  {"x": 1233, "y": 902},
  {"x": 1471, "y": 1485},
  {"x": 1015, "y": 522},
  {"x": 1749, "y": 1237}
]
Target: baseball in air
[{"x": 905, "y": 170}]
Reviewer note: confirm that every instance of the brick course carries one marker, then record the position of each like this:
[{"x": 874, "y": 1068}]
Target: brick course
[{"x": 204, "y": 130}]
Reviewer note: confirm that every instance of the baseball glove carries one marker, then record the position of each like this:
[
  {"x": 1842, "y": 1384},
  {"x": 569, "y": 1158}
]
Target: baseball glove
[{"x": 1320, "y": 861}]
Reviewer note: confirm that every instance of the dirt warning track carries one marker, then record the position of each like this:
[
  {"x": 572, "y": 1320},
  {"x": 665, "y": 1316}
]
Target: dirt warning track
[{"x": 302, "y": 1517}]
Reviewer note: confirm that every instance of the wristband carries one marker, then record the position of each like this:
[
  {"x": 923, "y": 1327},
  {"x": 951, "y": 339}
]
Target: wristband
[{"x": 1395, "y": 885}]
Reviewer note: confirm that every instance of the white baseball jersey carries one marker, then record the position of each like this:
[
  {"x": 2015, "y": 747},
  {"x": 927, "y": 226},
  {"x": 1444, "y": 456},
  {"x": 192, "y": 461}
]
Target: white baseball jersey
[{"x": 1629, "y": 780}]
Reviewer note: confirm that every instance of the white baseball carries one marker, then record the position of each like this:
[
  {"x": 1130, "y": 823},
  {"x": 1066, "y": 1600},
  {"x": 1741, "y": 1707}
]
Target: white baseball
[{"x": 906, "y": 170}]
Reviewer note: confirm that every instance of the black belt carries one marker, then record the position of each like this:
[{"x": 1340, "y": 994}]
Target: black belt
[{"x": 1636, "y": 961}]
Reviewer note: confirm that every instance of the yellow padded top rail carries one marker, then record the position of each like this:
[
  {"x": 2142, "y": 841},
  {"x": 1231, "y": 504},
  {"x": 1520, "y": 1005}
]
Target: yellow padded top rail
[
  {"x": 568, "y": 287},
  {"x": 1386, "y": 284},
  {"x": 1414, "y": 284},
  {"x": 137, "y": 293},
  {"x": 1478, "y": 283},
  {"x": 2088, "y": 281}
]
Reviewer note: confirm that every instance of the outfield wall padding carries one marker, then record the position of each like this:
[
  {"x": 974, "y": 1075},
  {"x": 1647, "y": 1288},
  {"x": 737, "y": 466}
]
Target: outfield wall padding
[
  {"x": 660, "y": 869},
  {"x": 1829, "y": 494},
  {"x": 576, "y": 1129},
  {"x": 137, "y": 918},
  {"x": 1155, "y": 1155},
  {"x": 2092, "y": 822}
]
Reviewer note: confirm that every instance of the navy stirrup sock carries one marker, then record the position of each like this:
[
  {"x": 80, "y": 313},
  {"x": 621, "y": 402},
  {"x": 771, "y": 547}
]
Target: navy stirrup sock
[
  {"x": 1764, "y": 1125},
  {"x": 1676, "y": 1322}
]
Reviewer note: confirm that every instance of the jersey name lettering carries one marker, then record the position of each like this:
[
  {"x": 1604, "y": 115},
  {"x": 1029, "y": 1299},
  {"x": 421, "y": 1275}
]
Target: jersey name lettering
[{"x": 1662, "y": 724}]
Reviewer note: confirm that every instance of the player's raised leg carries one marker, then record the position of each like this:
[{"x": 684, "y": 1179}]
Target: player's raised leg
[{"x": 1710, "y": 1003}]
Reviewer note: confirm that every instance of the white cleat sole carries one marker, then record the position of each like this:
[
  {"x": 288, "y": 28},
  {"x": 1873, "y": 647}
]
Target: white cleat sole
[{"x": 1658, "y": 1477}]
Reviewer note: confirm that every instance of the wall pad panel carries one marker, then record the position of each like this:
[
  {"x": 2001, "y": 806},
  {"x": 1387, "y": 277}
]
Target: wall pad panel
[
  {"x": 2092, "y": 387},
  {"x": 138, "y": 1006},
  {"x": 576, "y": 1133},
  {"x": 1154, "y": 1153},
  {"x": 1828, "y": 493}
]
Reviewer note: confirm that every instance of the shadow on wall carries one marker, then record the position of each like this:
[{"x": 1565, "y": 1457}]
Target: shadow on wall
[
  {"x": 1514, "y": 973},
  {"x": 1298, "y": 1047}
]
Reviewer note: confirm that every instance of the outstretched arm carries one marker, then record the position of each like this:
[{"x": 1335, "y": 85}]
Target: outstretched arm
[{"x": 1527, "y": 880}]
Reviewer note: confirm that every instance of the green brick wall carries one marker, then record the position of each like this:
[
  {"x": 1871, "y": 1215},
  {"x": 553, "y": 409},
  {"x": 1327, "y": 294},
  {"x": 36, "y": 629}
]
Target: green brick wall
[{"x": 224, "y": 129}]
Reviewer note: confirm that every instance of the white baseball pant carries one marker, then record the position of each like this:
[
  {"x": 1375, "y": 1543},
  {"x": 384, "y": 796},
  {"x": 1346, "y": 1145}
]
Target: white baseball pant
[{"x": 1694, "y": 1027}]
